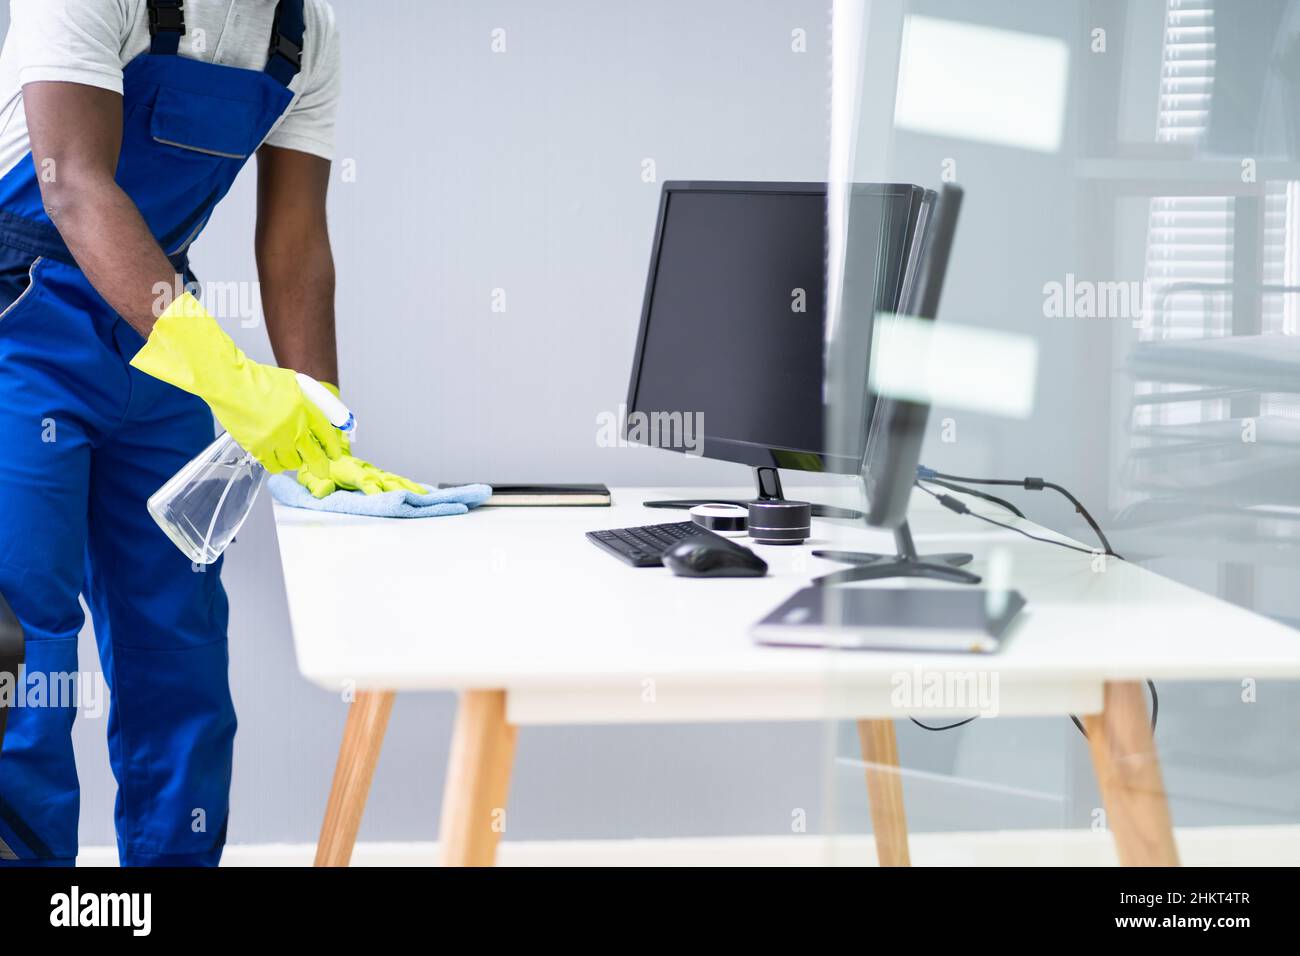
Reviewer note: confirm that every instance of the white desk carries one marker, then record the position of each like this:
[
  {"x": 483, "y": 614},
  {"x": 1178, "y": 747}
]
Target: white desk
[{"x": 534, "y": 625}]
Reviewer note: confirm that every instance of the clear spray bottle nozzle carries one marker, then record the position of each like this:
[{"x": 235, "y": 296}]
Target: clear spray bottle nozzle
[{"x": 339, "y": 415}]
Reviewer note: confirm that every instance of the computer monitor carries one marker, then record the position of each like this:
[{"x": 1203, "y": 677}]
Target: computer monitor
[
  {"x": 897, "y": 429},
  {"x": 730, "y": 359}
]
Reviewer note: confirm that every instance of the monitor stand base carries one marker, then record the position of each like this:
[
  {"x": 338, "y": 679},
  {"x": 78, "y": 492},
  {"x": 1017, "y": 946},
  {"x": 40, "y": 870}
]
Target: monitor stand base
[
  {"x": 905, "y": 564},
  {"x": 767, "y": 481}
]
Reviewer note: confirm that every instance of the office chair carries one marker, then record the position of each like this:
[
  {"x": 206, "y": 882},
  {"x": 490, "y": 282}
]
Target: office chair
[{"x": 11, "y": 655}]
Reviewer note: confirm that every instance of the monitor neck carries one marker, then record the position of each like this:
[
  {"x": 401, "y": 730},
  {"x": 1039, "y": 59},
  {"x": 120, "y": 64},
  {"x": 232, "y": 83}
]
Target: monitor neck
[
  {"x": 767, "y": 484},
  {"x": 904, "y": 543}
]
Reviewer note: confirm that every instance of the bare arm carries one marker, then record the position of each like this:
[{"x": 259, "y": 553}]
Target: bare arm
[
  {"x": 294, "y": 260},
  {"x": 76, "y": 135}
]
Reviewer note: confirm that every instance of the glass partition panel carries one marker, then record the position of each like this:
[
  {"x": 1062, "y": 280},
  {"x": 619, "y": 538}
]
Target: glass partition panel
[{"x": 1117, "y": 317}]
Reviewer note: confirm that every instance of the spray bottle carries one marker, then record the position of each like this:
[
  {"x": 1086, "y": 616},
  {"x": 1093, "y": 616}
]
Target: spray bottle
[{"x": 205, "y": 504}]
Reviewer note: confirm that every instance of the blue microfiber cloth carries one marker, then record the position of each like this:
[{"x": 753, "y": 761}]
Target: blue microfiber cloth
[{"x": 389, "y": 504}]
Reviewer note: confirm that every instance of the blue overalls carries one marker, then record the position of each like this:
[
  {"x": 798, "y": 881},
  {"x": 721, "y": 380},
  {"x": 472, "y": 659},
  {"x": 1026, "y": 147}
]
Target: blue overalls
[{"x": 84, "y": 441}]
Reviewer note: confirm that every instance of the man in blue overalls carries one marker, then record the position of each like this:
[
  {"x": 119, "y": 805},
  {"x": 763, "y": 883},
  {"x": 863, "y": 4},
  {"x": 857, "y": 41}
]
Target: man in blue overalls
[{"x": 123, "y": 130}]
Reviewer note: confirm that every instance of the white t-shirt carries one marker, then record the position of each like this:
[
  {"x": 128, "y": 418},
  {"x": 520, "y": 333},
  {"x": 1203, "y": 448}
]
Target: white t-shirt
[{"x": 91, "y": 41}]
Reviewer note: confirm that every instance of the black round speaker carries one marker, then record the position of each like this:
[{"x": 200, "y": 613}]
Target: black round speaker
[{"x": 780, "y": 522}]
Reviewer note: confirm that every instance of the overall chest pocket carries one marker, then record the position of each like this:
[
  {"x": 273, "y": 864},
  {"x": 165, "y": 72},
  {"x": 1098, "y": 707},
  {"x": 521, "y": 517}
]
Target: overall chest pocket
[
  {"x": 206, "y": 125},
  {"x": 17, "y": 282}
]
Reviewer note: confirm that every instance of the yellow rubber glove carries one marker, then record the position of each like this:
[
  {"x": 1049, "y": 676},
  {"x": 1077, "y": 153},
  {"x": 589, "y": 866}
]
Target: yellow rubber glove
[
  {"x": 347, "y": 473},
  {"x": 353, "y": 474},
  {"x": 261, "y": 406}
]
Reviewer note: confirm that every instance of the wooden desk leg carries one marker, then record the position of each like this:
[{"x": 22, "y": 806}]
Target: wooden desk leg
[
  {"x": 885, "y": 791},
  {"x": 363, "y": 737},
  {"x": 478, "y": 780},
  {"x": 1128, "y": 772}
]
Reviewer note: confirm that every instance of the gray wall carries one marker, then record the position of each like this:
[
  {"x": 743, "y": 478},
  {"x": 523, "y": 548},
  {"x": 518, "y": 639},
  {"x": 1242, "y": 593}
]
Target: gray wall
[{"x": 520, "y": 171}]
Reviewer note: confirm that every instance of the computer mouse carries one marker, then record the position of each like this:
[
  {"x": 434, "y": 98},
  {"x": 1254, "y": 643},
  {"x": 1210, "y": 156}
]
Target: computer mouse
[{"x": 712, "y": 556}]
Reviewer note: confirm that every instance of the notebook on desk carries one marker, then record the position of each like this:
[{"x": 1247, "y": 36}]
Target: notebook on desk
[
  {"x": 546, "y": 496},
  {"x": 965, "y": 620}
]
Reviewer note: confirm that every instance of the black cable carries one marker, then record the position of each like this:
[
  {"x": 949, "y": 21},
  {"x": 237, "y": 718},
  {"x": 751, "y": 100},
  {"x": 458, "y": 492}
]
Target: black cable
[
  {"x": 960, "y": 723},
  {"x": 1032, "y": 537},
  {"x": 1155, "y": 716},
  {"x": 960, "y": 507},
  {"x": 1078, "y": 506},
  {"x": 994, "y": 499},
  {"x": 1155, "y": 711},
  {"x": 1029, "y": 484}
]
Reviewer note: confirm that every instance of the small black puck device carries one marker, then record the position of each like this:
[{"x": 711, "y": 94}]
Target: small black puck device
[{"x": 780, "y": 521}]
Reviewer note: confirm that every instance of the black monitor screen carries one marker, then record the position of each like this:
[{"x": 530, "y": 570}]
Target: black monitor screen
[{"x": 733, "y": 332}]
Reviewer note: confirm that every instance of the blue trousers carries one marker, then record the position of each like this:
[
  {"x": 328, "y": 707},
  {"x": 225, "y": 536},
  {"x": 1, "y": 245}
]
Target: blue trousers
[{"x": 84, "y": 441}]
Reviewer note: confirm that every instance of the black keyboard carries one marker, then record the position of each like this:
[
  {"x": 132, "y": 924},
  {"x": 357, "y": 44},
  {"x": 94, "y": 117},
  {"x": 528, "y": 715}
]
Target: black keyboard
[{"x": 642, "y": 547}]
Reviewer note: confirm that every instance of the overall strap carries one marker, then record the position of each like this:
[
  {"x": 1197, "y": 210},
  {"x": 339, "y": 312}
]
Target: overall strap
[
  {"x": 287, "y": 34},
  {"x": 166, "y": 26}
]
